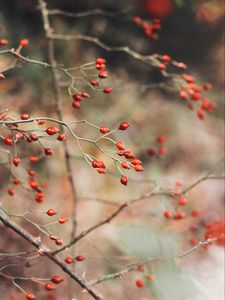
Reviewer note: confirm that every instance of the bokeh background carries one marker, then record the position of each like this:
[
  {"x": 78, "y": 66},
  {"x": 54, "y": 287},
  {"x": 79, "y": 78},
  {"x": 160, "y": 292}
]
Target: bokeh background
[{"x": 192, "y": 32}]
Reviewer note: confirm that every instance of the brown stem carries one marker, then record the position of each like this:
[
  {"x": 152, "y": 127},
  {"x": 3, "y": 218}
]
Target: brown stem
[{"x": 57, "y": 90}]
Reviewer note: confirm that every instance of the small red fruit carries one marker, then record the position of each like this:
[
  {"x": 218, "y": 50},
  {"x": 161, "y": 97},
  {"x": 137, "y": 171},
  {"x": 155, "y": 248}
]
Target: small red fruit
[
  {"x": 161, "y": 138},
  {"x": 103, "y": 74},
  {"x": 24, "y": 116},
  {"x": 69, "y": 260},
  {"x": 62, "y": 220},
  {"x": 100, "y": 61},
  {"x": 124, "y": 126},
  {"x": 124, "y": 180},
  {"x": 49, "y": 286},
  {"x": 51, "y": 212},
  {"x": 30, "y": 296},
  {"x": 120, "y": 146},
  {"x": 48, "y": 151},
  {"x": 11, "y": 191},
  {"x": 182, "y": 201},
  {"x": 33, "y": 159},
  {"x": 24, "y": 42},
  {"x": 107, "y": 90},
  {"x": 80, "y": 258},
  {"x": 52, "y": 130},
  {"x": 167, "y": 214},
  {"x": 150, "y": 277},
  {"x": 104, "y": 130},
  {"x": 76, "y": 104},
  {"x": 8, "y": 140},
  {"x": 61, "y": 137},
  {"x": 16, "y": 161},
  {"x": 57, "y": 279},
  {"x": 140, "y": 283}
]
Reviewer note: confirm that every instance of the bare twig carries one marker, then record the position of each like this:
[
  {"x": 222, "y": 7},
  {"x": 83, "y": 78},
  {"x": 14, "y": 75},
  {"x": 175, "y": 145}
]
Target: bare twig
[{"x": 92, "y": 228}]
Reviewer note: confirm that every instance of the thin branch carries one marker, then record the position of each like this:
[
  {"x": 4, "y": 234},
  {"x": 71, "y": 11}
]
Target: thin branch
[
  {"x": 92, "y": 228},
  {"x": 149, "y": 59},
  {"x": 134, "y": 266},
  {"x": 92, "y": 12}
]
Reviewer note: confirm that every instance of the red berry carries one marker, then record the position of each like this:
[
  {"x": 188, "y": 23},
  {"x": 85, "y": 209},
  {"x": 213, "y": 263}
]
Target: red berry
[
  {"x": 48, "y": 151},
  {"x": 124, "y": 126},
  {"x": 196, "y": 96},
  {"x": 33, "y": 159},
  {"x": 16, "y": 181},
  {"x": 162, "y": 150},
  {"x": 161, "y": 66},
  {"x": 200, "y": 114},
  {"x": 8, "y": 140},
  {"x": 194, "y": 242},
  {"x": 61, "y": 137},
  {"x": 24, "y": 116},
  {"x": 195, "y": 213},
  {"x": 100, "y": 61},
  {"x": 33, "y": 184},
  {"x": 33, "y": 137},
  {"x": 166, "y": 58},
  {"x": 4, "y": 42},
  {"x": 85, "y": 95},
  {"x": 182, "y": 201},
  {"x": 104, "y": 129},
  {"x": 51, "y": 212},
  {"x": 94, "y": 82},
  {"x": 136, "y": 161},
  {"x": 39, "y": 197},
  {"x": 57, "y": 279},
  {"x": 52, "y": 130},
  {"x": 77, "y": 97},
  {"x": 69, "y": 260},
  {"x": 183, "y": 95},
  {"x": 120, "y": 146},
  {"x": 31, "y": 172},
  {"x": 101, "y": 67},
  {"x": 151, "y": 152},
  {"x": 11, "y": 191},
  {"x": 150, "y": 277},
  {"x": 80, "y": 258},
  {"x": 140, "y": 283},
  {"x": 103, "y": 74},
  {"x": 95, "y": 164},
  {"x": 100, "y": 170},
  {"x": 138, "y": 168},
  {"x": 24, "y": 42},
  {"x": 49, "y": 286},
  {"x": 16, "y": 161},
  {"x": 137, "y": 20},
  {"x": 161, "y": 138},
  {"x": 41, "y": 122},
  {"x": 76, "y": 104},
  {"x": 124, "y": 180},
  {"x": 129, "y": 154},
  {"x": 125, "y": 165},
  {"x": 167, "y": 214},
  {"x": 107, "y": 90},
  {"x": 30, "y": 296},
  {"x": 59, "y": 242},
  {"x": 62, "y": 220}
]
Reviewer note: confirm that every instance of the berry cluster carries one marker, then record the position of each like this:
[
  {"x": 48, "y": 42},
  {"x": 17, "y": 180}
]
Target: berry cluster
[
  {"x": 100, "y": 65},
  {"x": 149, "y": 28}
]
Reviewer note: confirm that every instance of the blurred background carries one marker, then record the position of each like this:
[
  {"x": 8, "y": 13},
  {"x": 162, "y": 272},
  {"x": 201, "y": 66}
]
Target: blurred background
[{"x": 191, "y": 32}]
